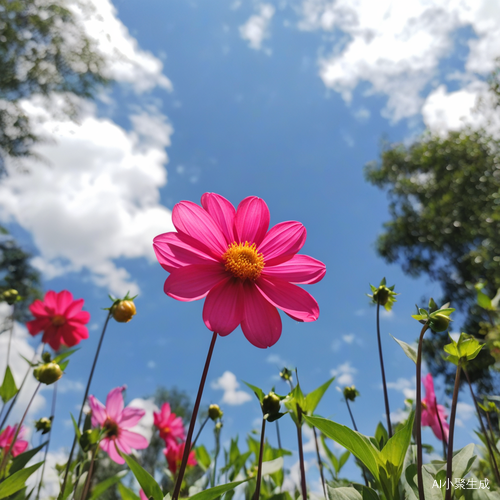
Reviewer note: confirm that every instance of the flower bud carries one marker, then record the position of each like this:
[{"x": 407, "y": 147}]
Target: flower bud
[
  {"x": 286, "y": 374},
  {"x": 271, "y": 404},
  {"x": 46, "y": 357},
  {"x": 214, "y": 412},
  {"x": 44, "y": 425},
  {"x": 123, "y": 310},
  {"x": 218, "y": 426},
  {"x": 381, "y": 295},
  {"x": 11, "y": 296},
  {"x": 350, "y": 393},
  {"x": 88, "y": 439},
  {"x": 439, "y": 322},
  {"x": 48, "y": 373}
]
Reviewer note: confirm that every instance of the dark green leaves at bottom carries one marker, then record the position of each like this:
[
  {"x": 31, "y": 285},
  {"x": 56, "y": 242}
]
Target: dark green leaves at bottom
[
  {"x": 215, "y": 492},
  {"x": 144, "y": 478},
  {"x": 16, "y": 481}
]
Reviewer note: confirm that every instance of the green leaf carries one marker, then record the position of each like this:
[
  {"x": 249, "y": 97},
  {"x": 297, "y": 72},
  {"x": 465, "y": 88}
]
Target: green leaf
[
  {"x": 17, "y": 481},
  {"x": 484, "y": 301},
  {"x": 100, "y": 488},
  {"x": 215, "y": 492},
  {"x": 333, "y": 459},
  {"x": 127, "y": 493},
  {"x": 272, "y": 466},
  {"x": 343, "y": 459},
  {"x": 21, "y": 460},
  {"x": 381, "y": 436},
  {"x": 8, "y": 389},
  {"x": 366, "y": 492},
  {"x": 296, "y": 397},
  {"x": 75, "y": 426},
  {"x": 258, "y": 392},
  {"x": 64, "y": 355},
  {"x": 314, "y": 397},
  {"x": 358, "y": 444},
  {"x": 407, "y": 349},
  {"x": 64, "y": 365},
  {"x": 342, "y": 493},
  {"x": 144, "y": 478},
  {"x": 466, "y": 349},
  {"x": 202, "y": 457}
]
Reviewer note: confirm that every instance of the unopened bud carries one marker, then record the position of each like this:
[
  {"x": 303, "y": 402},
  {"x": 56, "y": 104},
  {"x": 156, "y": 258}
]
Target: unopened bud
[
  {"x": 218, "y": 426},
  {"x": 87, "y": 439},
  {"x": 214, "y": 412},
  {"x": 439, "y": 322},
  {"x": 123, "y": 310},
  {"x": 44, "y": 425},
  {"x": 286, "y": 374},
  {"x": 381, "y": 295},
  {"x": 350, "y": 393},
  {"x": 271, "y": 404},
  {"x": 11, "y": 296},
  {"x": 48, "y": 373},
  {"x": 46, "y": 357}
]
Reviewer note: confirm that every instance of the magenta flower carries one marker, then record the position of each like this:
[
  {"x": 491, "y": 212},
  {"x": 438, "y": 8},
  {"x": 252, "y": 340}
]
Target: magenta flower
[
  {"x": 142, "y": 495},
  {"x": 244, "y": 271},
  {"x": 60, "y": 318},
  {"x": 116, "y": 421},
  {"x": 429, "y": 415},
  {"x": 169, "y": 424},
  {"x": 6, "y": 437},
  {"x": 173, "y": 453}
]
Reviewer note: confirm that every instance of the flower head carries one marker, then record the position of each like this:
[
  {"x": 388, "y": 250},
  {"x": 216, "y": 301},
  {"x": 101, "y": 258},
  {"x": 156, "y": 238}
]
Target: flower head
[
  {"x": 244, "y": 270},
  {"x": 60, "y": 318},
  {"x": 6, "y": 437},
  {"x": 116, "y": 422},
  {"x": 432, "y": 413},
  {"x": 174, "y": 452},
  {"x": 169, "y": 424}
]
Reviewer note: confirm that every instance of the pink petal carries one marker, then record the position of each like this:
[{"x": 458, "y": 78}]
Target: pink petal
[
  {"x": 82, "y": 318},
  {"x": 193, "y": 282},
  {"x": 430, "y": 395},
  {"x": 19, "y": 447},
  {"x": 73, "y": 335},
  {"x": 299, "y": 269},
  {"x": 142, "y": 495},
  {"x": 252, "y": 220},
  {"x": 133, "y": 439},
  {"x": 123, "y": 445},
  {"x": 51, "y": 336},
  {"x": 38, "y": 309},
  {"x": 37, "y": 325},
  {"x": 427, "y": 417},
  {"x": 108, "y": 445},
  {"x": 64, "y": 300},
  {"x": 130, "y": 417},
  {"x": 73, "y": 308},
  {"x": 282, "y": 241},
  {"x": 50, "y": 300},
  {"x": 261, "y": 322},
  {"x": 295, "y": 301},
  {"x": 192, "y": 220},
  {"x": 436, "y": 428},
  {"x": 98, "y": 411},
  {"x": 223, "y": 308},
  {"x": 114, "y": 403},
  {"x": 174, "y": 250},
  {"x": 222, "y": 212}
]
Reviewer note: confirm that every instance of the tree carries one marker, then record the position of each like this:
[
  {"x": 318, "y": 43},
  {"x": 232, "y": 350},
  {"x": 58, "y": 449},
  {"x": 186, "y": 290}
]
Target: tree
[
  {"x": 43, "y": 52},
  {"x": 445, "y": 222}
]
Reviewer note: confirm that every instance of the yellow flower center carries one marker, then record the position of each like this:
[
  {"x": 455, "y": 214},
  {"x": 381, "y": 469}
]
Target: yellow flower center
[
  {"x": 58, "y": 320},
  {"x": 166, "y": 430},
  {"x": 243, "y": 261}
]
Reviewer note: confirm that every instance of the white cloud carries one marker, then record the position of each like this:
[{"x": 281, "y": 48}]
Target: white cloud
[
  {"x": 348, "y": 338},
  {"x": 256, "y": 29},
  {"x": 145, "y": 425},
  {"x": 404, "y": 385},
  {"x": 228, "y": 383},
  {"x": 344, "y": 374},
  {"x": 465, "y": 412},
  {"x": 51, "y": 485}
]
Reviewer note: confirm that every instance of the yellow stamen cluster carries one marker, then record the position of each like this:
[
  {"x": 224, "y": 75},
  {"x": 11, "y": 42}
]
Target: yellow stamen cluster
[
  {"x": 243, "y": 261},
  {"x": 58, "y": 320}
]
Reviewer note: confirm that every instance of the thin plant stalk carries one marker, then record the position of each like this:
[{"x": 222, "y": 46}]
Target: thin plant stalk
[
  {"x": 278, "y": 434},
  {"x": 66, "y": 472},
  {"x": 384, "y": 384},
  {"x": 493, "y": 437},
  {"x": 259, "y": 466},
  {"x": 418, "y": 416},
  {"x": 187, "y": 446},
  {"x": 52, "y": 414},
  {"x": 488, "y": 443},
  {"x": 89, "y": 474},
  {"x": 216, "y": 454},
  {"x": 199, "y": 432},
  {"x": 11, "y": 331},
  {"x": 356, "y": 429},
  {"x": 320, "y": 463},
  {"x": 449, "y": 461},
  {"x": 445, "y": 444},
  {"x": 18, "y": 428},
  {"x": 303, "y": 485}
]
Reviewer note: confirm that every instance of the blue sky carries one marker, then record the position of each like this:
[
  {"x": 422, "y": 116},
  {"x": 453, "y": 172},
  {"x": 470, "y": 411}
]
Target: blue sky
[{"x": 283, "y": 100}]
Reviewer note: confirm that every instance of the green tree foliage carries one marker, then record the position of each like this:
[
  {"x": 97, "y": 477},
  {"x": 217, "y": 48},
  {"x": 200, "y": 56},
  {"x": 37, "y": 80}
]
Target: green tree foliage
[
  {"x": 43, "y": 51},
  {"x": 444, "y": 198}
]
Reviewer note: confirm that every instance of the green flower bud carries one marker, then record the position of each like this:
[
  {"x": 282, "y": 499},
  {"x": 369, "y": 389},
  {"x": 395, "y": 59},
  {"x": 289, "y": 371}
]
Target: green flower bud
[
  {"x": 383, "y": 295},
  {"x": 350, "y": 393},
  {"x": 286, "y": 374},
  {"x": 46, "y": 357},
  {"x": 88, "y": 439},
  {"x": 271, "y": 404},
  {"x": 214, "y": 412},
  {"x": 123, "y": 310},
  {"x": 11, "y": 296},
  {"x": 44, "y": 425},
  {"x": 218, "y": 426},
  {"x": 439, "y": 322},
  {"x": 48, "y": 373}
]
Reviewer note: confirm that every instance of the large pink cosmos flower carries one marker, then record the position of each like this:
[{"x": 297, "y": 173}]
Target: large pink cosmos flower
[
  {"x": 6, "y": 437},
  {"x": 429, "y": 415},
  {"x": 116, "y": 421},
  {"x": 169, "y": 424},
  {"x": 60, "y": 318},
  {"x": 174, "y": 452},
  {"x": 244, "y": 271}
]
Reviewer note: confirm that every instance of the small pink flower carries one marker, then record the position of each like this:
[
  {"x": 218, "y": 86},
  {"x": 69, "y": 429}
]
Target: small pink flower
[
  {"x": 6, "y": 437},
  {"x": 60, "y": 318},
  {"x": 174, "y": 452},
  {"x": 116, "y": 421},
  {"x": 169, "y": 424},
  {"x": 244, "y": 271},
  {"x": 143, "y": 495},
  {"x": 429, "y": 415}
]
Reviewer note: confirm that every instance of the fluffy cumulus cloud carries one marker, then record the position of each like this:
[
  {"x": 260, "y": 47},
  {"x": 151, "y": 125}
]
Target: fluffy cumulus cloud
[
  {"x": 396, "y": 47},
  {"x": 344, "y": 374},
  {"x": 232, "y": 395},
  {"x": 95, "y": 196},
  {"x": 256, "y": 29},
  {"x": 405, "y": 386}
]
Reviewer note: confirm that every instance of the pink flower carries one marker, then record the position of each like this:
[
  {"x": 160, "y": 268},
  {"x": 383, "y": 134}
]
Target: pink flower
[
  {"x": 116, "y": 421},
  {"x": 6, "y": 437},
  {"x": 244, "y": 271},
  {"x": 429, "y": 415},
  {"x": 170, "y": 426},
  {"x": 173, "y": 453},
  {"x": 143, "y": 495},
  {"x": 60, "y": 318}
]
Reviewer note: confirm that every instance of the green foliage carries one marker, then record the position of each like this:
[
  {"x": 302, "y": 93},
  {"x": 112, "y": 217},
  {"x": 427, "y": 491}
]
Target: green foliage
[
  {"x": 16, "y": 481},
  {"x": 466, "y": 349},
  {"x": 146, "y": 480},
  {"x": 8, "y": 388},
  {"x": 407, "y": 349}
]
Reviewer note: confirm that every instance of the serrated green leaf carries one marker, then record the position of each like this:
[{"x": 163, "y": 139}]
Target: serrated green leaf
[
  {"x": 407, "y": 349},
  {"x": 217, "y": 491},
  {"x": 100, "y": 488},
  {"x": 144, "y": 478},
  {"x": 17, "y": 481},
  {"x": 8, "y": 389}
]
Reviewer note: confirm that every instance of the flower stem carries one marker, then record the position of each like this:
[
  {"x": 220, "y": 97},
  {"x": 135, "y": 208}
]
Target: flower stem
[
  {"x": 445, "y": 444},
  {"x": 90, "y": 472},
  {"x": 449, "y": 462},
  {"x": 278, "y": 434},
  {"x": 320, "y": 463},
  {"x": 216, "y": 454},
  {"x": 356, "y": 429},
  {"x": 259, "y": 466},
  {"x": 386, "y": 397},
  {"x": 301, "y": 454},
  {"x": 418, "y": 416},
  {"x": 199, "y": 432},
  {"x": 83, "y": 402},
  {"x": 187, "y": 446},
  {"x": 490, "y": 449},
  {"x": 11, "y": 330}
]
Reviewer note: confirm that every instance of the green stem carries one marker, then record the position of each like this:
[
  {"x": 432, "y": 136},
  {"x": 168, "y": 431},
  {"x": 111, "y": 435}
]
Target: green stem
[
  {"x": 320, "y": 463},
  {"x": 418, "y": 416},
  {"x": 11, "y": 330},
  {"x": 278, "y": 434},
  {"x": 384, "y": 384},
  {"x": 199, "y": 432},
  {"x": 187, "y": 446},
  {"x": 441, "y": 427},
  {"x": 216, "y": 454},
  {"x": 89, "y": 474},
  {"x": 449, "y": 462},
  {"x": 259, "y": 467},
  {"x": 301, "y": 454}
]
